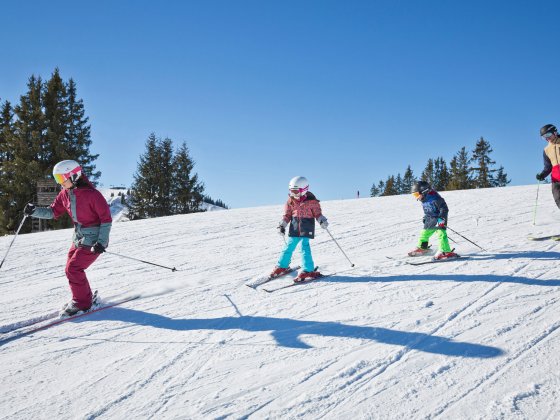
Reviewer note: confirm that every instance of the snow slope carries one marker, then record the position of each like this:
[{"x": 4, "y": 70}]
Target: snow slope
[{"x": 474, "y": 338}]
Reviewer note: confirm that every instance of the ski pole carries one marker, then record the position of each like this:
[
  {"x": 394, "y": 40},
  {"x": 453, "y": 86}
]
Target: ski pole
[
  {"x": 329, "y": 232},
  {"x": 145, "y": 262},
  {"x": 14, "y": 238},
  {"x": 536, "y": 201},
  {"x": 466, "y": 239}
]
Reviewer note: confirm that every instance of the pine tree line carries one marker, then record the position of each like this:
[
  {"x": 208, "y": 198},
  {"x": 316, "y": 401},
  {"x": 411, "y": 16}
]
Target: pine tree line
[
  {"x": 464, "y": 172},
  {"x": 46, "y": 126},
  {"x": 164, "y": 183},
  {"x": 218, "y": 202}
]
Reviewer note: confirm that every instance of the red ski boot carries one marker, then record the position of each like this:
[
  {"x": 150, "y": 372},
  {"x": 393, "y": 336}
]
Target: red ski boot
[
  {"x": 278, "y": 271},
  {"x": 418, "y": 252},
  {"x": 306, "y": 276},
  {"x": 441, "y": 256}
]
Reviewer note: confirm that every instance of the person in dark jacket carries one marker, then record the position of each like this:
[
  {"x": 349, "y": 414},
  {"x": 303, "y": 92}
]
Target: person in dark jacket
[
  {"x": 300, "y": 212},
  {"x": 551, "y": 158},
  {"x": 435, "y": 220},
  {"x": 92, "y": 224}
]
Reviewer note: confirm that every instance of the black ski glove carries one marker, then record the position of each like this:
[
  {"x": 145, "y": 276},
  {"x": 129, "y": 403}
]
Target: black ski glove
[
  {"x": 97, "y": 248},
  {"x": 540, "y": 177},
  {"x": 29, "y": 209},
  {"x": 282, "y": 228}
]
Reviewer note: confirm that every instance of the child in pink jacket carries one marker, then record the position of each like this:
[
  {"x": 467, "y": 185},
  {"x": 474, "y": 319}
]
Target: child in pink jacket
[{"x": 300, "y": 212}]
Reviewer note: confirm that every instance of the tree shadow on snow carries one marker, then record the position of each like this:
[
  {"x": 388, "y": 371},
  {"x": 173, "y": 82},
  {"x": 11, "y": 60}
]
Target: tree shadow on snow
[{"x": 287, "y": 332}]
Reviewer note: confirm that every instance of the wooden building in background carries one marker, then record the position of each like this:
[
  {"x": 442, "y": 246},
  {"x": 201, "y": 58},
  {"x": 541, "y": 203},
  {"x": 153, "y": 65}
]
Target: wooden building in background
[{"x": 47, "y": 190}]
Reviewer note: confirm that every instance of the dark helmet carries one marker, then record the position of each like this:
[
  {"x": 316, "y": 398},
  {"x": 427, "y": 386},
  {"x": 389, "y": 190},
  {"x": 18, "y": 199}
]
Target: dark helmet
[
  {"x": 549, "y": 128},
  {"x": 421, "y": 187}
]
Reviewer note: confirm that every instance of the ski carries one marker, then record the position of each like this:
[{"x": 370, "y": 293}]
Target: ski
[
  {"x": 29, "y": 322},
  {"x": 423, "y": 262},
  {"x": 436, "y": 261},
  {"x": 544, "y": 238},
  {"x": 23, "y": 331},
  {"x": 262, "y": 280},
  {"x": 298, "y": 283}
]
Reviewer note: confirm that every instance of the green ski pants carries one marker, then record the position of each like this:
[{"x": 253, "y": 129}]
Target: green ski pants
[{"x": 425, "y": 235}]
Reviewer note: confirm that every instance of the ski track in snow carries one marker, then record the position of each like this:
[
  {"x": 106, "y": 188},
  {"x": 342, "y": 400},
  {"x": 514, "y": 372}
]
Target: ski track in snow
[{"x": 381, "y": 340}]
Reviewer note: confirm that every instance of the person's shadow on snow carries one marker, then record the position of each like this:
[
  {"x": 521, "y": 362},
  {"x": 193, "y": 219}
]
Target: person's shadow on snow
[
  {"x": 286, "y": 332},
  {"x": 462, "y": 278},
  {"x": 533, "y": 255}
]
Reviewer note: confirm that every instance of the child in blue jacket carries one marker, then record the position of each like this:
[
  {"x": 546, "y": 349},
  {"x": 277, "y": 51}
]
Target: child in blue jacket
[{"x": 435, "y": 220}]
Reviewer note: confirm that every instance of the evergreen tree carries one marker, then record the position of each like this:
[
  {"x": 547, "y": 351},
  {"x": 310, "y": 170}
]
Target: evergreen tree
[
  {"x": 39, "y": 137},
  {"x": 501, "y": 179},
  {"x": 374, "y": 191},
  {"x": 54, "y": 100},
  {"x": 399, "y": 188},
  {"x": 79, "y": 134},
  {"x": 483, "y": 172},
  {"x": 6, "y": 134},
  {"x": 143, "y": 197},
  {"x": 207, "y": 199},
  {"x": 428, "y": 173},
  {"x": 459, "y": 176},
  {"x": 6, "y": 156},
  {"x": 165, "y": 181},
  {"x": 390, "y": 187},
  {"x": 408, "y": 180},
  {"x": 187, "y": 189},
  {"x": 441, "y": 174},
  {"x": 220, "y": 203},
  {"x": 381, "y": 187},
  {"x": 28, "y": 148}
]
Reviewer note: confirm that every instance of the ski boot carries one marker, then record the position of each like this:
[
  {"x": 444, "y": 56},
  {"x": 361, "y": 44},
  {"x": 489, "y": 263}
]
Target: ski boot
[
  {"x": 306, "y": 276},
  {"x": 418, "y": 252},
  {"x": 423, "y": 249},
  {"x": 278, "y": 271},
  {"x": 71, "y": 308},
  {"x": 441, "y": 256}
]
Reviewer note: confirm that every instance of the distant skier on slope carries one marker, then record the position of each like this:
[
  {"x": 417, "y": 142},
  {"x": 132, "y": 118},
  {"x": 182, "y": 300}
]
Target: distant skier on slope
[
  {"x": 300, "y": 212},
  {"x": 92, "y": 224},
  {"x": 551, "y": 157},
  {"x": 435, "y": 220}
]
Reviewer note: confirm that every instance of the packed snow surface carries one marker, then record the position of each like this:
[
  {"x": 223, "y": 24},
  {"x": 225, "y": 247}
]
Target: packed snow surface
[{"x": 473, "y": 338}]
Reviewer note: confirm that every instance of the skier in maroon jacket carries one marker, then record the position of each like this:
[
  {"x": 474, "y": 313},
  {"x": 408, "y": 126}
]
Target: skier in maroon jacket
[{"x": 92, "y": 224}]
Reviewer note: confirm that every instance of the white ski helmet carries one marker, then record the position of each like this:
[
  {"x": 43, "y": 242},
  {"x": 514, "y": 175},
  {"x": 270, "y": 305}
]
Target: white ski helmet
[
  {"x": 67, "y": 169},
  {"x": 298, "y": 186}
]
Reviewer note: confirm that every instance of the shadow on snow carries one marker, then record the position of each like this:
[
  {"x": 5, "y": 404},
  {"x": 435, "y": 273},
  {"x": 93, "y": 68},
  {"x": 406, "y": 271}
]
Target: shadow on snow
[
  {"x": 464, "y": 278},
  {"x": 287, "y": 332}
]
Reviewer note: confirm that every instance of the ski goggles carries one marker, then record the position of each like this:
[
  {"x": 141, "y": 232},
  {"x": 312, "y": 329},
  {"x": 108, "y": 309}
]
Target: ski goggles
[
  {"x": 417, "y": 195},
  {"x": 548, "y": 136},
  {"x": 298, "y": 192},
  {"x": 61, "y": 178}
]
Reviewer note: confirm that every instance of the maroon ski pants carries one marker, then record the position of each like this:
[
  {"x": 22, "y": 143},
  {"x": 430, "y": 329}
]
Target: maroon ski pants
[{"x": 78, "y": 260}]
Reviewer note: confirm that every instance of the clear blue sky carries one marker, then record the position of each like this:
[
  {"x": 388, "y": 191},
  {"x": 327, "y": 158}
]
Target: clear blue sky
[{"x": 342, "y": 92}]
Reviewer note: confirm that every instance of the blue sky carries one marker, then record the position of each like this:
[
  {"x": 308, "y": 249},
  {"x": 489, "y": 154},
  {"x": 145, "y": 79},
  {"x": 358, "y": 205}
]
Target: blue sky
[{"x": 342, "y": 92}]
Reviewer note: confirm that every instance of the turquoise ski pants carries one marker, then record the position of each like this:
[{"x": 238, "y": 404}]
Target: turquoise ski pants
[{"x": 306, "y": 258}]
